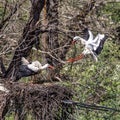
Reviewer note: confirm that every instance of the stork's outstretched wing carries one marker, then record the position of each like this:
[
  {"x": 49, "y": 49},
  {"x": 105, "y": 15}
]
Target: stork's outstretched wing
[
  {"x": 93, "y": 46},
  {"x": 101, "y": 44},
  {"x": 88, "y": 35},
  {"x": 85, "y": 34},
  {"x": 96, "y": 42}
]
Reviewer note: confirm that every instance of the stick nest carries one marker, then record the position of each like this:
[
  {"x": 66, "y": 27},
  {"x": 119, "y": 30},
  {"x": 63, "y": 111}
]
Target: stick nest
[{"x": 42, "y": 102}]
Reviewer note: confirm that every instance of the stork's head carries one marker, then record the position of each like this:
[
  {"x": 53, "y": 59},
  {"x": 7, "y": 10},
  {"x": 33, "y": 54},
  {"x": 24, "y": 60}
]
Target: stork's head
[
  {"x": 38, "y": 65},
  {"x": 77, "y": 38}
]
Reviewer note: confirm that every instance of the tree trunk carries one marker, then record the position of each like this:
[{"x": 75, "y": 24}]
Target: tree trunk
[
  {"x": 50, "y": 39},
  {"x": 27, "y": 40}
]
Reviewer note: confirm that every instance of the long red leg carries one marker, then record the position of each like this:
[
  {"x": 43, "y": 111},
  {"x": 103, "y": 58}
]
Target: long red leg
[{"x": 76, "y": 58}]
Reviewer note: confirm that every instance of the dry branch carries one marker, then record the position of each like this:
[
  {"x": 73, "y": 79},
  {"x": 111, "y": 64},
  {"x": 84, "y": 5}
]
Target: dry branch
[
  {"x": 13, "y": 11},
  {"x": 43, "y": 102}
]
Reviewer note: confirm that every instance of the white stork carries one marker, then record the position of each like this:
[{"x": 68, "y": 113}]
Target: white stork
[
  {"x": 92, "y": 45},
  {"x": 28, "y": 69}
]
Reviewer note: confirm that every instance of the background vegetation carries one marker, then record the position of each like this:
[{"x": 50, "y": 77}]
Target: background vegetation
[{"x": 92, "y": 83}]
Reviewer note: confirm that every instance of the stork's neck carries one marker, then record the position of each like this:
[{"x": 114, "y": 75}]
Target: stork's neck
[
  {"x": 83, "y": 41},
  {"x": 44, "y": 66}
]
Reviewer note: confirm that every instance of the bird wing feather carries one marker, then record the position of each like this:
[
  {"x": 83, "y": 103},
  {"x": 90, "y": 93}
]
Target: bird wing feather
[
  {"x": 87, "y": 34},
  {"x": 96, "y": 42},
  {"x": 91, "y": 37},
  {"x": 33, "y": 68},
  {"x": 101, "y": 44}
]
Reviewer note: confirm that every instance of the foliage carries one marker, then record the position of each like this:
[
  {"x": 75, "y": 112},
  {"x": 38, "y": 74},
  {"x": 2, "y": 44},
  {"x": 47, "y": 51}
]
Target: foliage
[
  {"x": 113, "y": 11},
  {"x": 93, "y": 83},
  {"x": 98, "y": 83}
]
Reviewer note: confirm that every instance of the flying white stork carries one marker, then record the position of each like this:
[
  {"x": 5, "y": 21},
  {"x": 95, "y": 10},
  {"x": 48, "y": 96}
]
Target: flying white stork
[
  {"x": 28, "y": 69},
  {"x": 92, "y": 45}
]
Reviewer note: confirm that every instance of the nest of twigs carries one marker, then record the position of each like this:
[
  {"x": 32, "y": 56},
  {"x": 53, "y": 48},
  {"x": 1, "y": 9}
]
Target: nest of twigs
[{"x": 41, "y": 102}]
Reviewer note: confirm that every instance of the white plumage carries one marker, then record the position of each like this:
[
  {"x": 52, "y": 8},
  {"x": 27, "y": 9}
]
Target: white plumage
[
  {"x": 35, "y": 65},
  {"x": 27, "y": 69},
  {"x": 24, "y": 61},
  {"x": 92, "y": 45}
]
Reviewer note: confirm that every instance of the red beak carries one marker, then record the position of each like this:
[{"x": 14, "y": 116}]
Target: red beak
[
  {"x": 51, "y": 67},
  {"x": 73, "y": 42},
  {"x": 75, "y": 59}
]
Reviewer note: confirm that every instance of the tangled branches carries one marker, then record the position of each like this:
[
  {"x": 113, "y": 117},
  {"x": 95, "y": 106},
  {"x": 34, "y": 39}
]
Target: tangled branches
[{"x": 42, "y": 102}]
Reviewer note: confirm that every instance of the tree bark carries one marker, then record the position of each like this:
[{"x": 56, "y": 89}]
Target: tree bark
[
  {"x": 27, "y": 40},
  {"x": 50, "y": 39}
]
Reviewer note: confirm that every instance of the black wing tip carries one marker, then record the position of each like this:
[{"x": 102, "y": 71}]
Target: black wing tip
[
  {"x": 85, "y": 29},
  {"x": 105, "y": 38},
  {"x": 86, "y": 33}
]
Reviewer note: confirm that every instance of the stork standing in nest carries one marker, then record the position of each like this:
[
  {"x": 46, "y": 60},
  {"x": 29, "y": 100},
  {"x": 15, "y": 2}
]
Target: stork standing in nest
[
  {"x": 92, "y": 45},
  {"x": 28, "y": 69}
]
